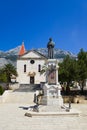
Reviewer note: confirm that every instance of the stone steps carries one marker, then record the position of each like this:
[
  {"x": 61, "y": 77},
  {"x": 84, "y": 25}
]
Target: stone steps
[
  {"x": 28, "y": 88},
  {"x": 24, "y": 94},
  {"x": 18, "y": 97}
]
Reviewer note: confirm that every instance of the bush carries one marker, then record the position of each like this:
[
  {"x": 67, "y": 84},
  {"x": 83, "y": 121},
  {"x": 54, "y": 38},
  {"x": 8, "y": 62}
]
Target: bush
[{"x": 1, "y": 90}]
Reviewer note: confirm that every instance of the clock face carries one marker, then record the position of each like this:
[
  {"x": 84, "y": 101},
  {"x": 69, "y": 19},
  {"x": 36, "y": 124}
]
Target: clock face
[{"x": 32, "y": 61}]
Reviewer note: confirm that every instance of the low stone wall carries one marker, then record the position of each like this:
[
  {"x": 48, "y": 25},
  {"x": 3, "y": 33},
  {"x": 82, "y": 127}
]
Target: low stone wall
[
  {"x": 66, "y": 99},
  {"x": 13, "y": 86},
  {"x": 4, "y": 85},
  {"x": 75, "y": 99}
]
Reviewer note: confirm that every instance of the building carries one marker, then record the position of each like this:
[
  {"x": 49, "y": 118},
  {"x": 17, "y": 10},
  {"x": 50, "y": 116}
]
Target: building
[{"x": 29, "y": 65}]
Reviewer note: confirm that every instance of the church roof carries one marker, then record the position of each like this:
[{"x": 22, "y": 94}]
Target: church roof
[
  {"x": 22, "y": 49},
  {"x": 35, "y": 52}
]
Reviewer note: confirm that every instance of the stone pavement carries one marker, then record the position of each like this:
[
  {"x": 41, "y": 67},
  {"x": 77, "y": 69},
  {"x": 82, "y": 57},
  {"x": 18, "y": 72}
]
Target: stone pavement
[{"x": 12, "y": 118}]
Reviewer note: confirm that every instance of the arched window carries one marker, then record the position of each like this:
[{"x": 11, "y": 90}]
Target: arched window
[
  {"x": 24, "y": 68},
  {"x": 39, "y": 68}
]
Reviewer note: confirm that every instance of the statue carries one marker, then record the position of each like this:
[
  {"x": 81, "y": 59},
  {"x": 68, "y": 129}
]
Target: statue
[{"x": 50, "y": 47}]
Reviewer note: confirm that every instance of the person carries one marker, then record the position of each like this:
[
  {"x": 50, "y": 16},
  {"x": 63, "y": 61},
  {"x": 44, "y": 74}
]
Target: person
[
  {"x": 62, "y": 89},
  {"x": 78, "y": 86},
  {"x": 36, "y": 96},
  {"x": 67, "y": 90}
]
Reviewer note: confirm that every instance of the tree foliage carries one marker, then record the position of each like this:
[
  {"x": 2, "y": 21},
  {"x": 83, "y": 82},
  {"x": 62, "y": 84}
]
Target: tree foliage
[
  {"x": 74, "y": 69},
  {"x": 3, "y": 77},
  {"x": 68, "y": 70},
  {"x": 6, "y": 72},
  {"x": 82, "y": 67},
  {"x": 1, "y": 90}
]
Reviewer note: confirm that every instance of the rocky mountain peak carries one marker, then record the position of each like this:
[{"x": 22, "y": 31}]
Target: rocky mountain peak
[{"x": 11, "y": 55}]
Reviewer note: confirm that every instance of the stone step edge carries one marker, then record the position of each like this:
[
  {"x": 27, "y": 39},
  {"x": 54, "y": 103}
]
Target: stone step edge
[{"x": 54, "y": 113}]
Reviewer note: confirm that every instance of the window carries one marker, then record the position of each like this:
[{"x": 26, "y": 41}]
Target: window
[
  {"x": 39, "y": 68},
  {"x": 32, "y": 61},
  {"x": 24, "y": 68}
]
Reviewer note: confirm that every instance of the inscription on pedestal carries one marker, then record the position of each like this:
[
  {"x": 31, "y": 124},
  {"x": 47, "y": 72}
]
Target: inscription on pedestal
[{"x": 52, "y": 92}]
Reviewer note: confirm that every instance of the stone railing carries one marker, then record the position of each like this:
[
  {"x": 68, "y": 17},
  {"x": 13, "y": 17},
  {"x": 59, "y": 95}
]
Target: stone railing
[
  {"x": 75, "y": 99},
  {"x": 5, "y": 95},
  {"x": 13, "y": 86}
]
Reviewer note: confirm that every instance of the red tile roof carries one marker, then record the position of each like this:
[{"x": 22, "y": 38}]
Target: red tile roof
[{"x": 22, "y": 49}]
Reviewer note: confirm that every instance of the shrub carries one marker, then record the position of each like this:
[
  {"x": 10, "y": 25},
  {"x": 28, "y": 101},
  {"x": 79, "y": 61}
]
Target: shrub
[{"x": 1, "y": 90}]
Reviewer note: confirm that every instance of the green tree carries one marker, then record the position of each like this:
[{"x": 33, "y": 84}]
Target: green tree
[
  {"x": 3, "y": 77},
  {"x": 68, "y": 70},
  {"x": 7, "y": 71},
  {"x": 82, "y": 67}
]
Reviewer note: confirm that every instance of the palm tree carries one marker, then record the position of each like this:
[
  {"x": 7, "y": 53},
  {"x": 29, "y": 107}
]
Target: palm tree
[
  {"x": 9, "y": 70},
  {"x": 50, "y": 68},
  {"x": 44, "y": 69}
]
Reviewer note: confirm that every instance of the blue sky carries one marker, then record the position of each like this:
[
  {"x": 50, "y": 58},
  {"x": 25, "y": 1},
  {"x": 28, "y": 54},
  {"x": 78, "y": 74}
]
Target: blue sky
[{"x": 34, "y": 21}]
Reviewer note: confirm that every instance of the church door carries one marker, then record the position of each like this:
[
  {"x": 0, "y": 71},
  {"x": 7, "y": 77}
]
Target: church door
[{"x": 31, "y": 79}]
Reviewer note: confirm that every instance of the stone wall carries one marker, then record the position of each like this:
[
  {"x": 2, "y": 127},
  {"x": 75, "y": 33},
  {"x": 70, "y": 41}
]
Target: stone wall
[
  {"x": 75, "y": 99},
  {"x": 13, "y": 86}
]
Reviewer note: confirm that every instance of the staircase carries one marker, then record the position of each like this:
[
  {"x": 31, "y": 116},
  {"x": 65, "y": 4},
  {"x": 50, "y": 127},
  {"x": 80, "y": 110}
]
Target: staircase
[
  {"x": 10, "y": 96},
  {"x": 28, "y": 88},
  {"x": 24, "y": 94}
]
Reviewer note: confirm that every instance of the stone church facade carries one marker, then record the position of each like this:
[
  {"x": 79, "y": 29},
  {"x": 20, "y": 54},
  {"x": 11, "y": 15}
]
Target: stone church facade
[{"x": 29, "y": 66}]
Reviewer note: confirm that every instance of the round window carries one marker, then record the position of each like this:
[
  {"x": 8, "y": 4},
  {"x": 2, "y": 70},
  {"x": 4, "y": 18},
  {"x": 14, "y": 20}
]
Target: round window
[{"x": 32, "y": 61}]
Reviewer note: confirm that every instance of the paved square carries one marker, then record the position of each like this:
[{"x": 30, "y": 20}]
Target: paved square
[{"x": 12, "y": 118}]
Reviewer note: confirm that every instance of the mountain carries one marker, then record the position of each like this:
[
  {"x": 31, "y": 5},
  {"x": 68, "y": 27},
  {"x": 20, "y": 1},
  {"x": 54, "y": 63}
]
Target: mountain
[
  {"x": 58, "y": 53},
  {"x": 11, "y": 55}
]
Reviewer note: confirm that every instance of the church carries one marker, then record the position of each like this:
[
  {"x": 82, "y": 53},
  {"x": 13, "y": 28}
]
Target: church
[{"x": 29, "y": 65}]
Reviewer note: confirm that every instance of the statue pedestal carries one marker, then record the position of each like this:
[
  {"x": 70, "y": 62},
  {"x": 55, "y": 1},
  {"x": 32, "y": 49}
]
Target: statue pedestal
[
  {"x": 52, "y": 95},
  {"x": 52, "y": 89}
]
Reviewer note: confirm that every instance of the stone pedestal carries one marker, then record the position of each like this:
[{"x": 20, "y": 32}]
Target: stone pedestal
[
  {"x": 52, "y": 95},
  {"x": 52, "y": 89},
  {"x": 52, "y": 101}
]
